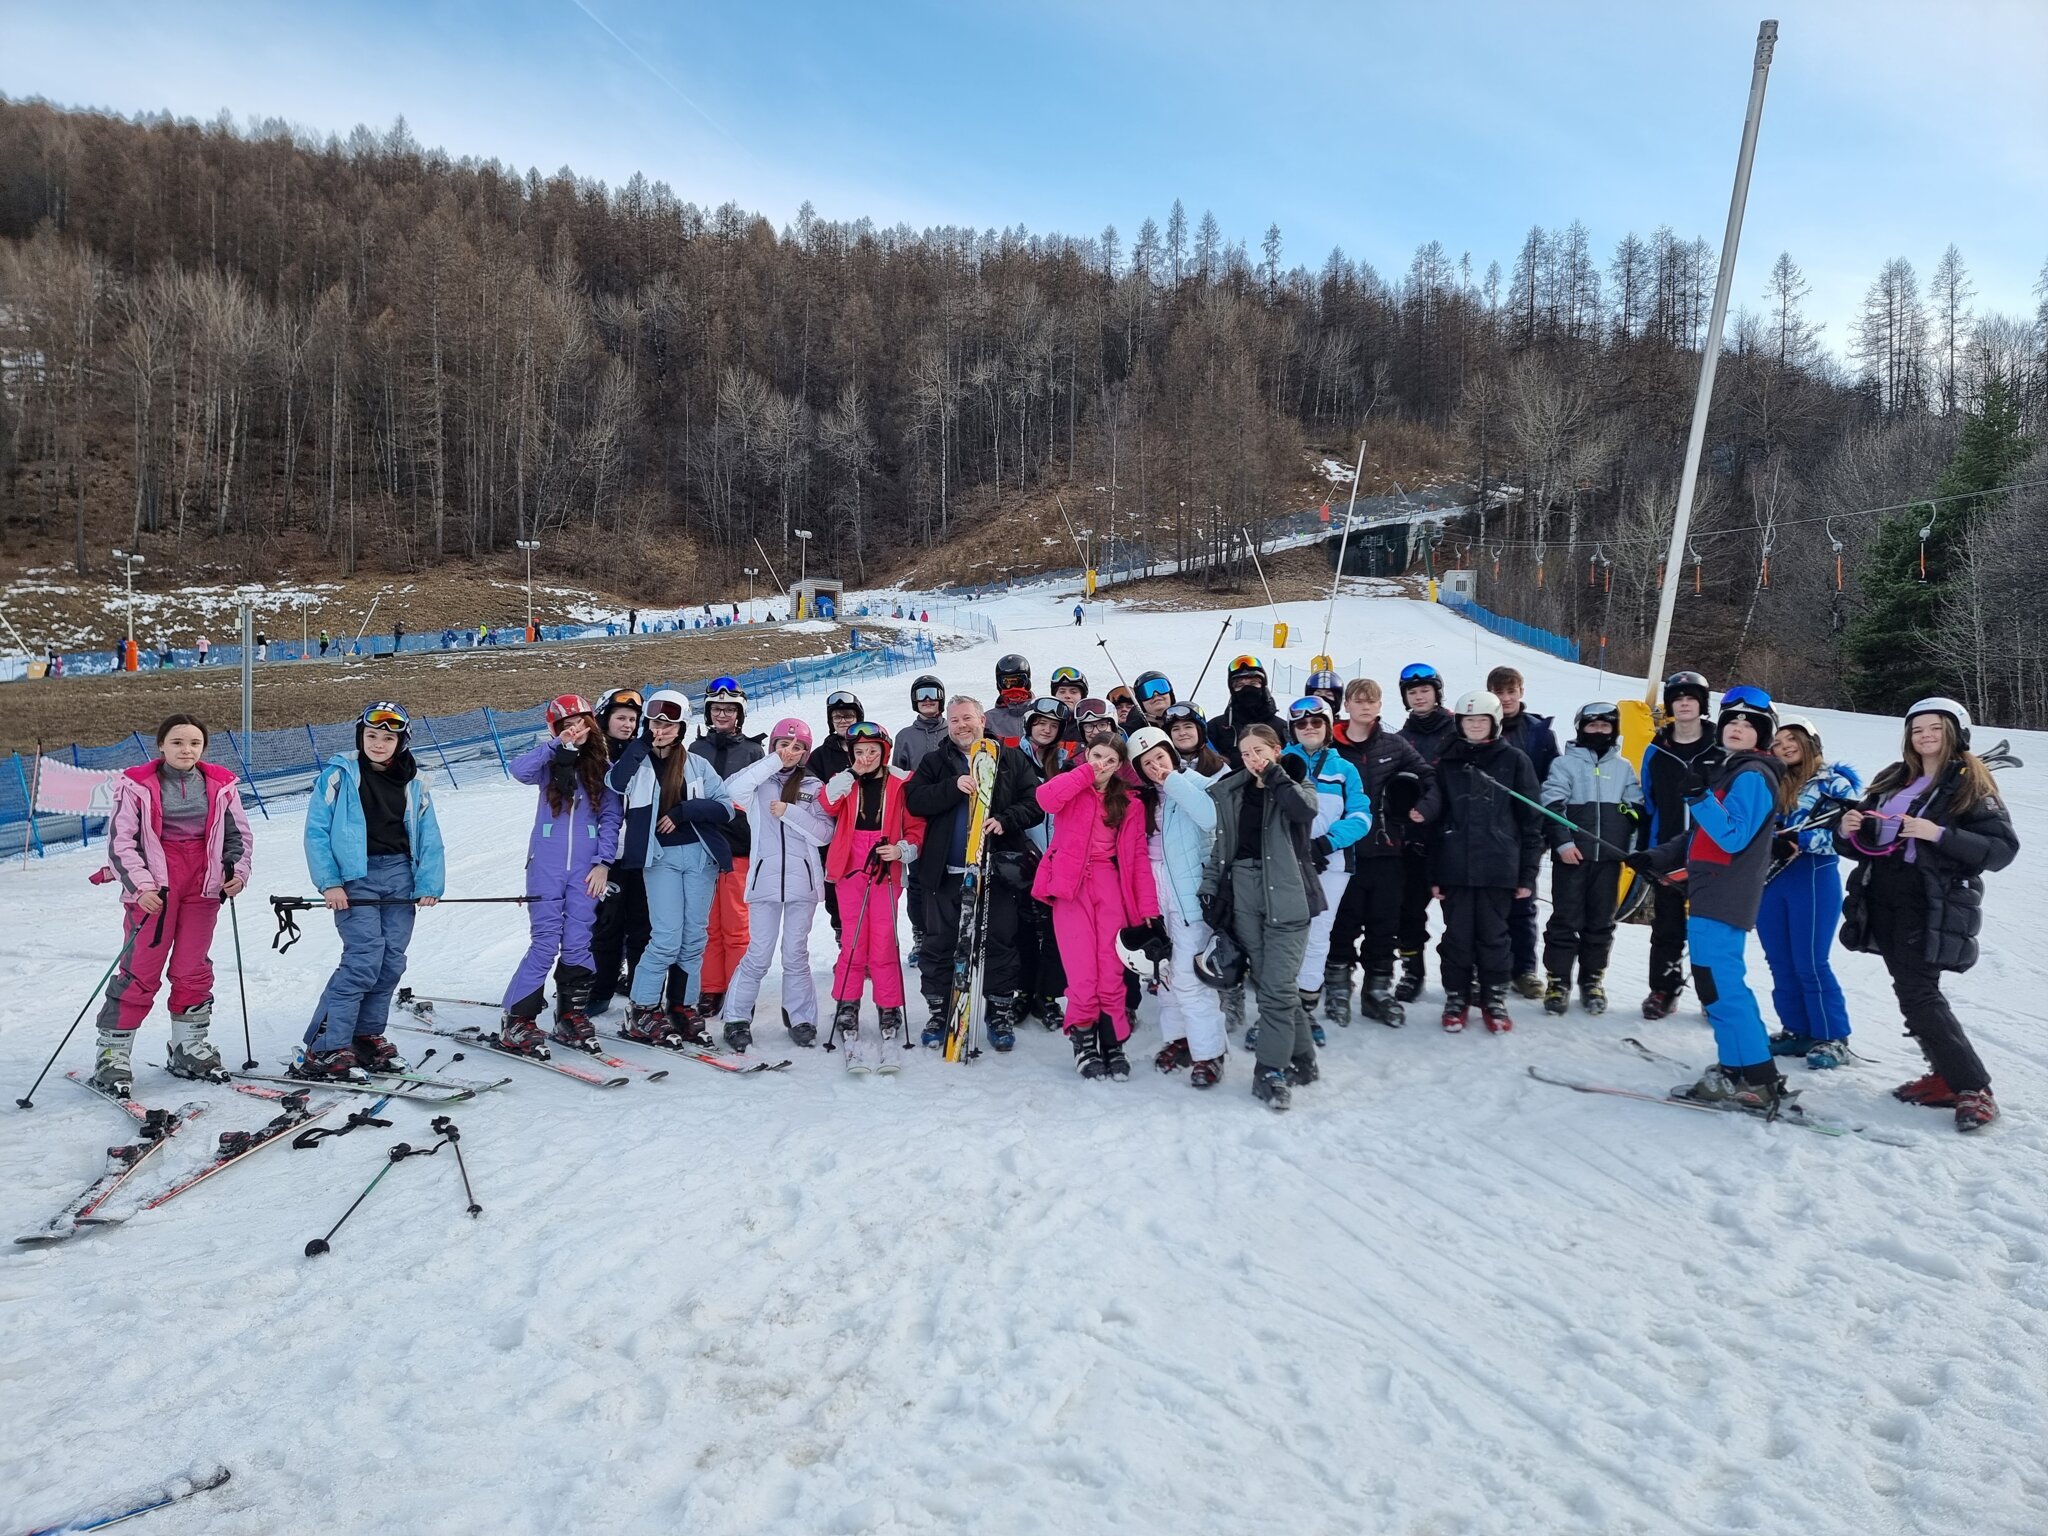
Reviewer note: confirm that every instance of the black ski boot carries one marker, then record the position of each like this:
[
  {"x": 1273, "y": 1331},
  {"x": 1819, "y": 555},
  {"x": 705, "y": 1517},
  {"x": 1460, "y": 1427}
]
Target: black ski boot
[
  {"x": 1557, "y": 995},
  {"x": 1663, "y": 999},
  {"x": 1493, "y": 1008},
  {"x": 1002, "y": 1023},
  {"x": 1051, "y": 1013},
  {"x": 1592, "y": 995},
  {"x": 1087, "y": 1051},
  {"x": 1308, "y": 1015},
  {"x": 1303, "y": 1070},
  {"x": 337, "y": 1066},
  {"x": 520, "y": 1033},
  {"x": 1379, "y": 1003},
  {"x": 1456, "y": 1007},
  {"x": 739, "y": 1034},
  {"x": 647, "y": 1025},
  {"x": 845, "y": 1021},
  {"x": 1269, "y": 1087},
  {"x": 1337, "y": 993},
  {"x": 1114, "y": 1061},
  {"x": 803, "y": 1033},
  {"x": 376, "y": 1053},
  {"x": 1410, "y": 986},
  {"x": 1206, "y": 1074},
  {"x": 572, "y": 1010},
  {"x": 936, "y": 1014},
  {"x": 687, "y": 1025}
]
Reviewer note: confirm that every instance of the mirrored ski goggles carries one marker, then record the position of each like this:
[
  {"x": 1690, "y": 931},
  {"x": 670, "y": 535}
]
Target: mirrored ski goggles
[
  {"x": 391, "y": 717},
  {"x": 621, "y": 698},
  {"x": 1067, "y": 677},
  {"x": 1155, "y": 688},
  {"x": 930, "y": 691},
  {"x": 841, "y": 701},
  {"x": 1303, "y": 710},
  {"x": 867, "y": 730},
  {"x": 1247, "y": 663},
  {"x": 723, "y": 685},
  {"x": 668, "y": 710},
  {"x": 1187, "y": 714},
  {"x": 1419, "y": 672}
]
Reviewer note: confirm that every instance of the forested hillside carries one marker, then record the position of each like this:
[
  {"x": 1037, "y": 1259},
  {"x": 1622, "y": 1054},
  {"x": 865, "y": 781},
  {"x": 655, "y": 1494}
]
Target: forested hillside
[{"x": 256, "y": 346}]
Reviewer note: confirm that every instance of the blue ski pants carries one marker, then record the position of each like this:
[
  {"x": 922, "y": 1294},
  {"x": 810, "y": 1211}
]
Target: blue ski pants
[
  {"x": 1802, "y": 908},
  {"x": 681, "y": 882},
  {"x": 373, "y": 942},
  {"x": 1717, "y": 970}
]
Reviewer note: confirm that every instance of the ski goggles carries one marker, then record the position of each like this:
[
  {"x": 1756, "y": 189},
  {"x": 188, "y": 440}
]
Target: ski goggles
[
  {"x": 725, "y": 685},
  {"x": 1303, "y": 711},
  {"x": 1093, "y": 710},
  {"x": 1155, "y": 688},
  {"x": 867, "y": 730},
  {"x": 931, "y": 691},
  {"x": 841, "y": 701},
  {"x": 1189, "y": 714},
  {"x": 1047, "y": 709},
  {"x": 1879, "y": 836},
  {"x": 620, "y": 698},
  {"x": 1419, "y": 672},
  {"x": 669, "y": 711},
  {"x": 1242, "y": 665},
  {"x": 391, "y": 717},
  {"x": 1067, "y": 677}
]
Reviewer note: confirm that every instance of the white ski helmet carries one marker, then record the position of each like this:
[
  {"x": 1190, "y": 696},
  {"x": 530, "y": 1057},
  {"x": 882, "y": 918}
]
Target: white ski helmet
[
  {"x": 1942, "y": 706},
  {"x": 1791, "y": 721},
  {"x": 666, "y": 704},
  {"x": 1145, "y": 738},
  {"x": 1480, "y": 703},
  {"x": 1150, "y": 959}
]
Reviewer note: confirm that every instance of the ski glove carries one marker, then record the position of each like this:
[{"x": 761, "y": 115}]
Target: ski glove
[
  {"x": 1215, "y": 910},
  {"x": 562, "y": 771},
  {"x": 841, "y": 785},
  {"x": 1693, "y": 786},
  {"x": 1322, "y": 848},
  {"x": 1294, "y": 768}
]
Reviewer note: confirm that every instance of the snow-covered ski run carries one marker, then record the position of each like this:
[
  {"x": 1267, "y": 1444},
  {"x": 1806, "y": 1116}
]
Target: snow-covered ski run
[{"x": 1437, "y": 1296}]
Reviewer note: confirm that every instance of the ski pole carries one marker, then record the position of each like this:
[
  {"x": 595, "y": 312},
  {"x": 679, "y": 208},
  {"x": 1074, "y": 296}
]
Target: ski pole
[
  {"x": 288, "y": 932},
  {"x": 27, "y": 1100},
  {"x": 452, "y": 1137},
  {"x": 1566, "y": 821},
  {"x": 392, "y": 1159},
  {"x": 242, "y": 982},
  {"x": 1212, "y": 656},
  {"x": 846, "y": 960},
  {"x": 1119, "y": 671},
  {"x": 312, "y": 1136}
]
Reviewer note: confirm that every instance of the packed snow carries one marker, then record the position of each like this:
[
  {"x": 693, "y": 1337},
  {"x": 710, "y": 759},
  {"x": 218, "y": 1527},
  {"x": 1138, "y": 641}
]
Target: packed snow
[{"x": 1437, "y": 1297}]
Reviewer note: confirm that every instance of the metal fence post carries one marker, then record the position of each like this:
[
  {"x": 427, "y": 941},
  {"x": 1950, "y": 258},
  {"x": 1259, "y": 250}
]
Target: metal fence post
[
  {"x": 446, "y": 767},
  {"x": 28, "y": 799},
  {"x": 248, "y": 774},
  {"x": 491, "y": 721}
]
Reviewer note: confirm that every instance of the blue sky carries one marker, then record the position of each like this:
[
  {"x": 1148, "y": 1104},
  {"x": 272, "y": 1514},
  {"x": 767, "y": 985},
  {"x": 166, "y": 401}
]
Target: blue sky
[{"x": 1890, "y": 129}]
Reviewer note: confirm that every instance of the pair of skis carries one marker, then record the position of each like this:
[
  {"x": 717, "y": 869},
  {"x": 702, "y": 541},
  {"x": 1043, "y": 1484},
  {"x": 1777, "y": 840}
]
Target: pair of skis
[
  {"x": 154, "y": 1130},
  {"x": 958, "y": 1044},
  {"x": 1788, "y": 1114},
  {"x": 422, "y": 1010}
]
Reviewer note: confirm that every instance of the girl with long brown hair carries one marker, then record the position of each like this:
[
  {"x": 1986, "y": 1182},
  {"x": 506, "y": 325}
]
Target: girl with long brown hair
[
  {"x": 1924, "y": 836},
  {"x": 1802, "y": 900},
  {"x": 568, "y": 865}
]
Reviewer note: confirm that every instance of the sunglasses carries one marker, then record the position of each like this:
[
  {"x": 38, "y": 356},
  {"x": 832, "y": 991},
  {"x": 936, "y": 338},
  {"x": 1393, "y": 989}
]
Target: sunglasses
[{"x": 1155, "y": 688}]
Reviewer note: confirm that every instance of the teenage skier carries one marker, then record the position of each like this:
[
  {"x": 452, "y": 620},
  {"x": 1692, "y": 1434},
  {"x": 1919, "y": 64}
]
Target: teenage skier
[
  {"x": 1429, "y": 729},
  {"x": 1802, "y": 901},
  {"x": 179, "y": 844},
  {"x": 1594, "y": 784},
  {"x": 620, "y": 932},
  {"x": 1928, "y": 830},
  {"x": 1487, "y": 857},
  {"x": 1251, "y": 703},
  {"x": 1343, "y": 817},
  {"x": 1683, "y": 744},
  {"x": 1190, "y": 1020},
  {"x": 785, "y": 879},
  {"x": 371, "y": 837},
  {"x": 1400, "y": 789},
  {"x": 724, "y": 744},
  {"x": 875, "y": 837}
]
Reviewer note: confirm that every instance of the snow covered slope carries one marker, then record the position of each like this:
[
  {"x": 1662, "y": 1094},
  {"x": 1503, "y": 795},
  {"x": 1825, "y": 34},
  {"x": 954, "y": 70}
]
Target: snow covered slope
[{"x": 1438, "y": 1297}]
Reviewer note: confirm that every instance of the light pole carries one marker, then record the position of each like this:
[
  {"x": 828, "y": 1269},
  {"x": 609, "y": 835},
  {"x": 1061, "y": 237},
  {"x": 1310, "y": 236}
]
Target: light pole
[
  {"x": 245, "y": 601},
  {"x": 802, "y": 569},
  {"x": 529, "y": 545},
  {"x": 128, "y": 564},
  {"x": 752, "y": 571}
]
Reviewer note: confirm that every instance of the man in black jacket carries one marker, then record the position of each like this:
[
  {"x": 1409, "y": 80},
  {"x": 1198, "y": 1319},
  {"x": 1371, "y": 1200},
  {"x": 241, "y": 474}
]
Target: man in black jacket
[
  {"x": 1535, "y": 737},
  {"x": 1486, "y": 859},
  {"x": 1686, "y": 742},
  {"x": 940, "y": 792},
  {"x": 723, "y": 744},
  {"x": 1251, "y": 703},
  {"x": 1429, "y": 729},
  {"x": 1402, "y": 790}
]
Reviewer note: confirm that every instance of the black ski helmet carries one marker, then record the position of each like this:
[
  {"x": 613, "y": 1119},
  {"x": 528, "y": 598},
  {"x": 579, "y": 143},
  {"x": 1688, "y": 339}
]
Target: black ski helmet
[
  {"x": 1599, "y": 710},
  {"x": 841, "y": 701},
  {"x": 1150, "y": 685},
  {"x": 1421, "y": 673},
  {"x": 1013, "y": 671},
  {"x": 1047, "y": 708},
  {"x": 1678, "y": 684},
  {"x": 923, "y": 687}
]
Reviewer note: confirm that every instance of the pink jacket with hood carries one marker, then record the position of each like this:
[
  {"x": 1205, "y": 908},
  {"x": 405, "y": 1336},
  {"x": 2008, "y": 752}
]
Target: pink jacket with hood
[
  {"x": 1076, "y": 810},
  {"x": 135, "y": 832}
]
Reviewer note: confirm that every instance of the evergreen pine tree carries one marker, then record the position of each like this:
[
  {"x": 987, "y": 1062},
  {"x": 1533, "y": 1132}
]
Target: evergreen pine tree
[{"x": 1890, "y": 641}]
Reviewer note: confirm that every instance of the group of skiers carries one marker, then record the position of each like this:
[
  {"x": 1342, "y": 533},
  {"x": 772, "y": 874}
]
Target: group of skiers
[{"x": 1246, "y": 869}]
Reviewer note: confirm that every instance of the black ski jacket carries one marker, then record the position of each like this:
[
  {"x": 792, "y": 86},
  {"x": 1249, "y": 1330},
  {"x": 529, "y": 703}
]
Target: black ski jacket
[
  {"x": 934, "y": 794},
  {"x": 728, "y": 752},
  {"x": 1535, "y": 735},
  {"x": 1663, "y": 770},
  {"x": 1950, "y": 873},
  {"x": 1396, "y": 780},
  {"x": 1248, "y": 706},
  {"x": 1489, "y": 838}
]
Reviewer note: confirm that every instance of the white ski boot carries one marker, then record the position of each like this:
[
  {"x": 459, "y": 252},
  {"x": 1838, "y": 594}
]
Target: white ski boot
[
  {"x": 112, "y": 1070},
  {"x": 192, "y": 1054}
]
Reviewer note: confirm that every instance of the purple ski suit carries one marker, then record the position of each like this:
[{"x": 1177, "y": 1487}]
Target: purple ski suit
[{"x": 564, "y": 848}]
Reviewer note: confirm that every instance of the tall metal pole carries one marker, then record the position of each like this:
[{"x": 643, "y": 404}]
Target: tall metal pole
[
  {"x": 248, "y": 670},
  {"x": 1344, "y": 543},
  {"x": 1710, "y": 355}
]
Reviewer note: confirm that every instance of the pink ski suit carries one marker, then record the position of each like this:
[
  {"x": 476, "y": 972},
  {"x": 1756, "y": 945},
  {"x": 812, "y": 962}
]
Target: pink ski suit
[
  {"x": 188, "y": 872},
  {"x": 1097, "y": 879}
]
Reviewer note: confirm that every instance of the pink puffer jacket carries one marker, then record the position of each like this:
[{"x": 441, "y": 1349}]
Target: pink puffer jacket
[
  {"x": 1076, "y": 810},
  {"x": 135, "y": 833}
]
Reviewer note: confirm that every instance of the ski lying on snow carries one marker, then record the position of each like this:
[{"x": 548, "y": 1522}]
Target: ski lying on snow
[
  {"x": 491, "y": 1043},
  {"x": 139, "y": 1501},
  {"x": 445, "y": 1090},
  {"x": 711, "y": 1056},
  {"x": 423, "y": 1008},
  {"x": 156, "y": 1127},
  {"x": 294, "y": 1111},
  {"x": 1792, "y": 1114},
  {"x": 131, "y": 1107}
]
